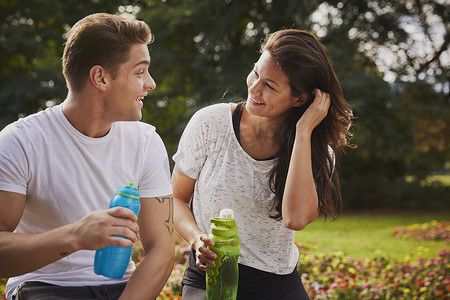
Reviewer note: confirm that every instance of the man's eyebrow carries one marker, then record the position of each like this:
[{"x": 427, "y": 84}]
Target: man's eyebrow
[{"x": 142, "y": 62}]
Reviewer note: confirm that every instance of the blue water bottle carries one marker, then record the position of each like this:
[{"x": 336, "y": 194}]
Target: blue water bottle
[{"x": 112, "y": 261}]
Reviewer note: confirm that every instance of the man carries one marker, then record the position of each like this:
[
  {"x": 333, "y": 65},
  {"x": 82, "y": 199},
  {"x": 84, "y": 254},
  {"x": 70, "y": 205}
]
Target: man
[{"x": 59, "y": 169}]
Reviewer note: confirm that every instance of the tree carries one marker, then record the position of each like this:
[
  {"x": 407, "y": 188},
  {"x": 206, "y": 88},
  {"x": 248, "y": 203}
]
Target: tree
[
  {"x": 208, "y": 47},
  {"x": 204, "y": 50},
  {"x": 32, "y": 35}
]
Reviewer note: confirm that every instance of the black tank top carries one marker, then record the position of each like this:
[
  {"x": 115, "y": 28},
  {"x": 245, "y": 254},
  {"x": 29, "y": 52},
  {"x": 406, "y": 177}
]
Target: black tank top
[
  {"x": 236, "y": 118},
  {"x": 237, "y": 115}
]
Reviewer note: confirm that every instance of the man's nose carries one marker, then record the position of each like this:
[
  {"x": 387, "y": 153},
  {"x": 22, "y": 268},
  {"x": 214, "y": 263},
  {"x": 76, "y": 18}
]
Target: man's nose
[{"x": 150, "y": 83}]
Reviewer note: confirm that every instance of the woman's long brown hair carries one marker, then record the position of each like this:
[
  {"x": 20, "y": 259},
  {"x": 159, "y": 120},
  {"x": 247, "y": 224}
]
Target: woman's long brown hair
[{"x": 304, "y": 60}]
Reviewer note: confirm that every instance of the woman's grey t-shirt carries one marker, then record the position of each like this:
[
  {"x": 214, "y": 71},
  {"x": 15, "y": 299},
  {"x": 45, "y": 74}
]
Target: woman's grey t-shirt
[{"x": 227, "y": 177}]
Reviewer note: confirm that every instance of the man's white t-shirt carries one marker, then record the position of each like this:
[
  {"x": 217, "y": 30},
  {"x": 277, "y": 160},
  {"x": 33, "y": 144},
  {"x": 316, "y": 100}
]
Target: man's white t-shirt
[
  {"x": 227, "y": 177},
  {"x": 65, "y": 175}
]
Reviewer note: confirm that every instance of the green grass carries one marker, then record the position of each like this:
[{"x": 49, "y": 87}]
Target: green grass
[{"x": 366, "y": 235}]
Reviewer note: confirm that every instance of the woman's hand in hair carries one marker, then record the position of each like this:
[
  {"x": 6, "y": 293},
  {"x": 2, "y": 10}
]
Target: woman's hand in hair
[{"x": 315, "y": 113}]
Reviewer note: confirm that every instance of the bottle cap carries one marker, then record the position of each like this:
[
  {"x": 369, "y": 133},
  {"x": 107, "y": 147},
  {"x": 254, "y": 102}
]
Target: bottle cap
[
  {"x": 224, "y": 225},
  {"x": 128, "y": 190},
  {"x": 226, "y": 214}
]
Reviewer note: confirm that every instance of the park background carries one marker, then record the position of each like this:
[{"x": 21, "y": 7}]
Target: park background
[{"x": 392, "y": 59}]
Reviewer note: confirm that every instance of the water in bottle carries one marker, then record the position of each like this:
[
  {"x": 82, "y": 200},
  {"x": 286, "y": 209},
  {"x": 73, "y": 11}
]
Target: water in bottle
[
  {"x": 112, "y": 261},
  {"x": 222, "y": 278}
]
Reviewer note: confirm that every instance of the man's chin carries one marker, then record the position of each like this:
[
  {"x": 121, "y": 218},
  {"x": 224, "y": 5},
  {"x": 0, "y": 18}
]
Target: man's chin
[{"x": 134, "y": 118}]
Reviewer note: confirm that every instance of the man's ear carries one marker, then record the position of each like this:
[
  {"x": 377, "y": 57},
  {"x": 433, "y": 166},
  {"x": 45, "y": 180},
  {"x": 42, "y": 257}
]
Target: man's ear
[
  {"x": 98, "y": 77},
  {"x": 300, "y": 100}
]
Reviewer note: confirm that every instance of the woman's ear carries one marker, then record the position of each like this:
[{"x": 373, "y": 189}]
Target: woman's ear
[
  {"x": 300, "y": 100},
  {"x": 97, "y": 77}
]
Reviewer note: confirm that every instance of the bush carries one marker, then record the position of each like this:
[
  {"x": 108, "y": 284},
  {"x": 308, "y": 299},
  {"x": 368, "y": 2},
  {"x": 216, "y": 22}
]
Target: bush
[
  {"x": 2, "y": 288},
  {"x": 377, "y": 191},
  {"x": 434, "y": 230},
  {"x": 337, "y": 276}
]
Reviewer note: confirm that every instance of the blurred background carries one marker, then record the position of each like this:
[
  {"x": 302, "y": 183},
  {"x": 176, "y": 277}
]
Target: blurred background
[{"x": 391, "y": 57}]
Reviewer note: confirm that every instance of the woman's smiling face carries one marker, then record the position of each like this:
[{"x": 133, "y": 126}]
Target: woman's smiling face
[{"x": 269, "y": 92}]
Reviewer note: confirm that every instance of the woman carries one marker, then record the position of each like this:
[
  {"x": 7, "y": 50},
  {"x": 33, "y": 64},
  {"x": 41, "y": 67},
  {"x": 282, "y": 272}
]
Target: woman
[{"x": 271, "y": 160}]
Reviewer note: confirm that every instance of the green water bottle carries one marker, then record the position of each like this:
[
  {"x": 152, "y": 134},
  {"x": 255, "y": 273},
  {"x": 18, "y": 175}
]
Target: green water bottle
[{"x": 222, "y": 278}]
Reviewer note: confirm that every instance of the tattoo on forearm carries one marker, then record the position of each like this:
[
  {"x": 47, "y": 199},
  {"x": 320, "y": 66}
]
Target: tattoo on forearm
[
  {"x": 63, "y": 254},
  {"x": 169, "y": 222}
]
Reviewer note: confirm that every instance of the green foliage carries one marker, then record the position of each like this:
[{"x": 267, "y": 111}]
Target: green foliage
[
  {"x": 2, "y": 288},
  {"x": 204, "y": 50},
  {"x": 32, "y": 34}
]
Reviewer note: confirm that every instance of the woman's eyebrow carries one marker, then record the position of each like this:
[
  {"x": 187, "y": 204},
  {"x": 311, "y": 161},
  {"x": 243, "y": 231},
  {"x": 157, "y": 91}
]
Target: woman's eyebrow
[
  {"x": 273, "y": 81},
  {"x": 268, "y": 79}
]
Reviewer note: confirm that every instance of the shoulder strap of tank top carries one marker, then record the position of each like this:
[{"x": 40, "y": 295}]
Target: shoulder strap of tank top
[{"x": 237, "y": 115}]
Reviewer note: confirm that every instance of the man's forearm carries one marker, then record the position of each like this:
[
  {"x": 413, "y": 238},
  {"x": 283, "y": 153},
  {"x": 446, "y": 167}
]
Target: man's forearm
[
  {"x": 23, "y": 253},
  {"x": 151, "y": 275}
]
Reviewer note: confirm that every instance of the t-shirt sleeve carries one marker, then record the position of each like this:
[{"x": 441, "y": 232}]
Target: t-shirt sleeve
[
  {"x": 191, "y": 153},
  {"x": 155, "y": 179},
  {"x": 13, "y": 161}
]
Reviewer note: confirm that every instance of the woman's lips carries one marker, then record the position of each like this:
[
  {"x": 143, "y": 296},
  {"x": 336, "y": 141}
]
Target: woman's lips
[{"x": 255, "y": 102}]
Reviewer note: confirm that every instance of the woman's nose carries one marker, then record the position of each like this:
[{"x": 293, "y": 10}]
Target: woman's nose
[{"x": 255, "y": 87}]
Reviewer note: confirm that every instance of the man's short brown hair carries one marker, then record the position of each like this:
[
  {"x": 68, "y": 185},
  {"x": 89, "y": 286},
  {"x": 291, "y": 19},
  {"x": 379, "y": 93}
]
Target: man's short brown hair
[{"x": 100, "y": 39}]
